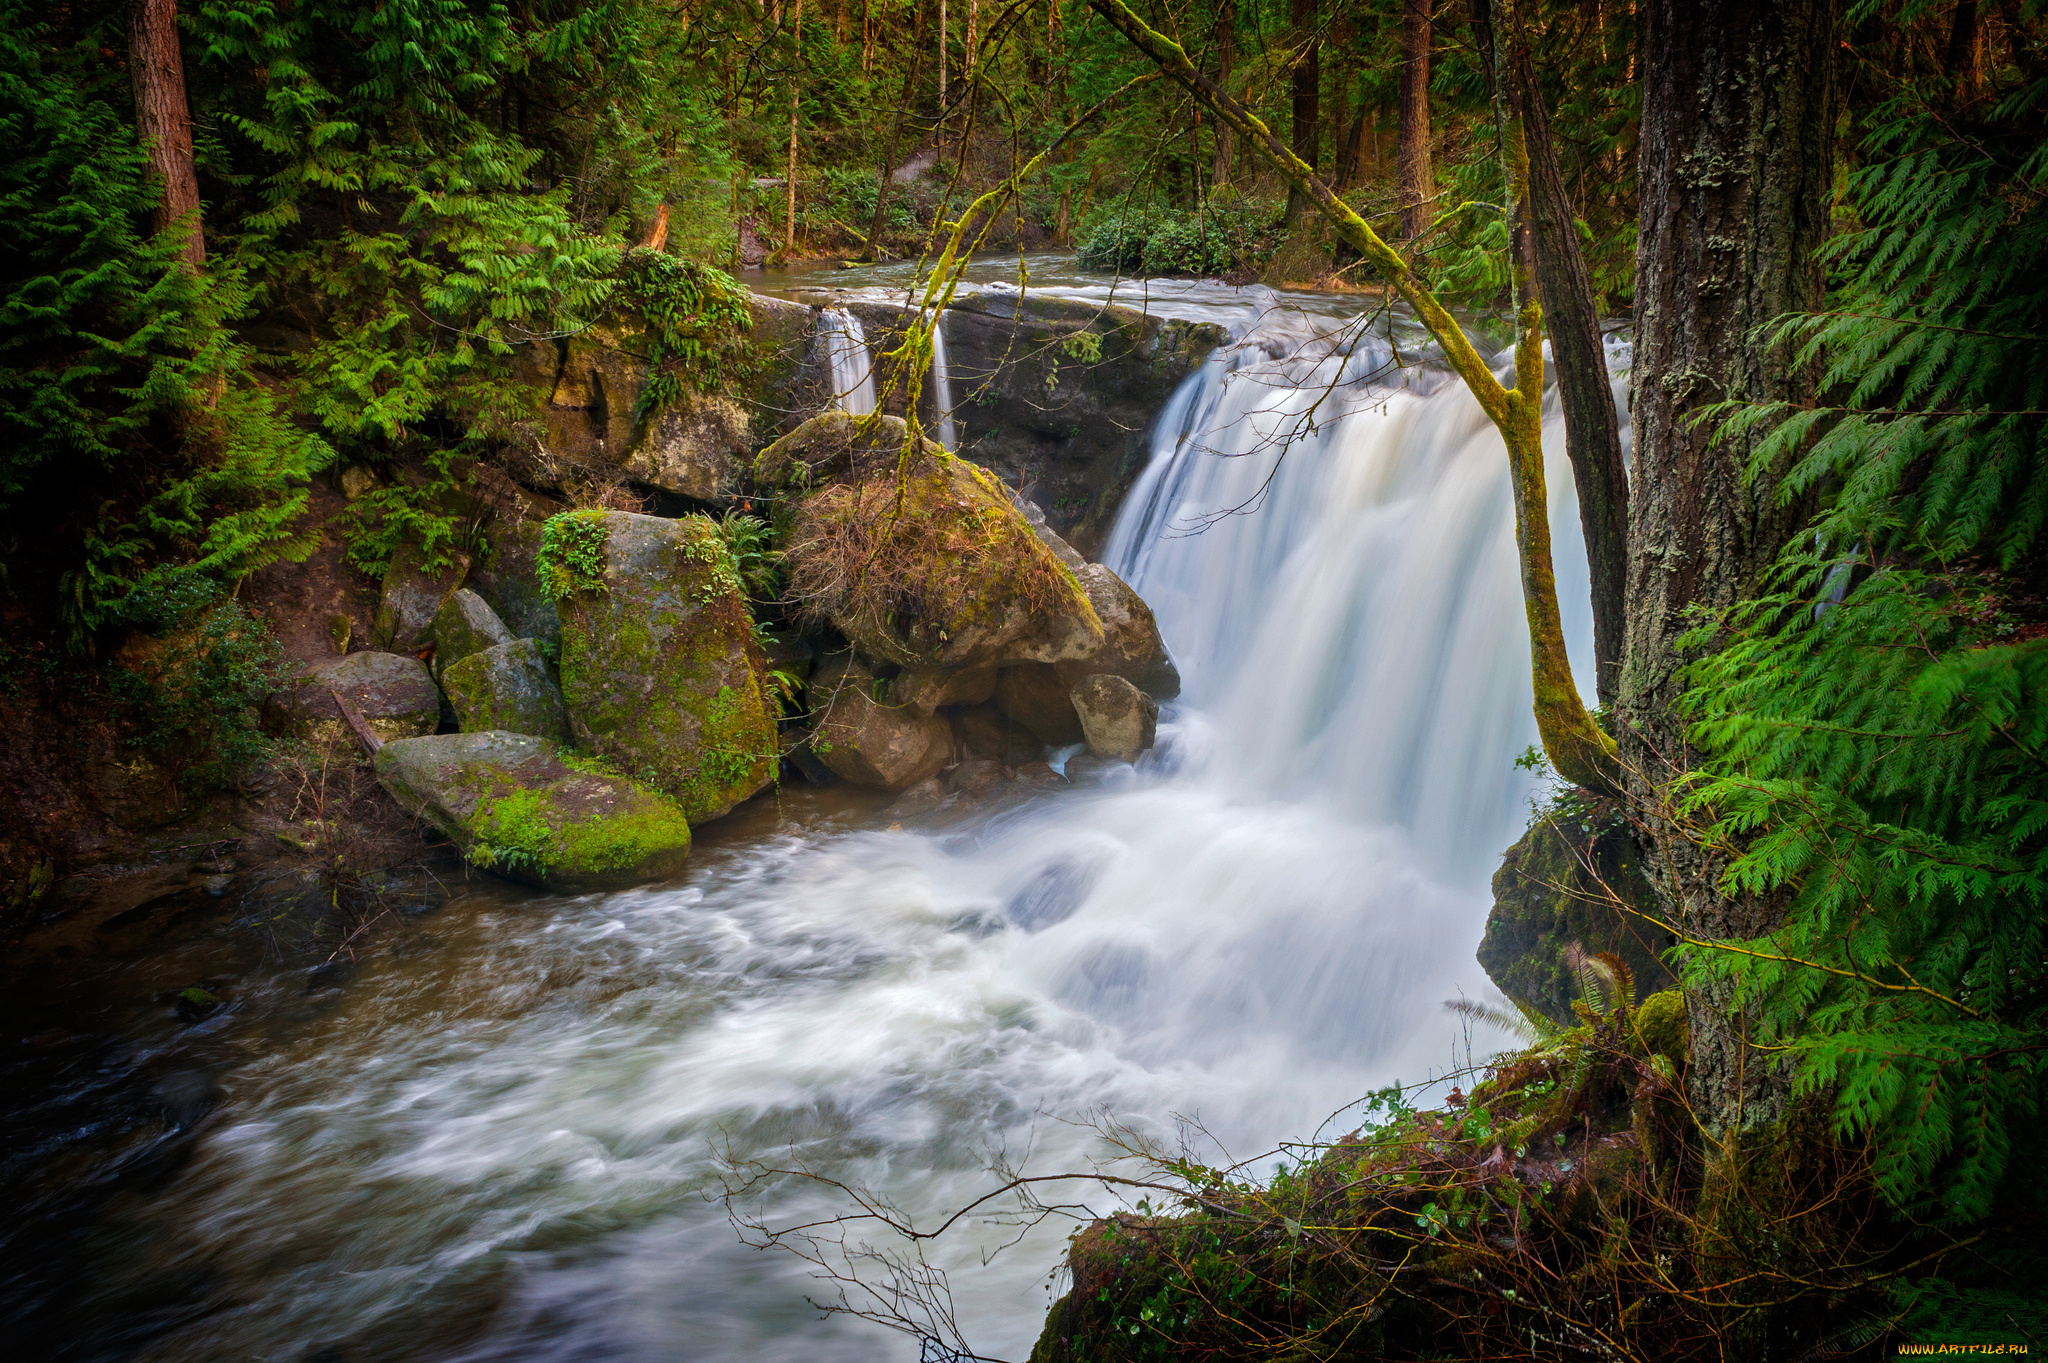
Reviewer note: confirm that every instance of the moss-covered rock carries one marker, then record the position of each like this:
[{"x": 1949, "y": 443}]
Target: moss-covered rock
[
  {"x": 392, "y": 692},
  {"x": 920, "y": 559},
  {"x": 869, "y": 742},
  {"x": 466, "y": 625},
  {"x": 1573, "y": 877},
  {"x": 509, "y": 583},
  {"x": 659, "y": 667},
  {"x": 412, "y": 596},
  {"x": 507, "y": 687},
  {"x": 514, "y": 806}
]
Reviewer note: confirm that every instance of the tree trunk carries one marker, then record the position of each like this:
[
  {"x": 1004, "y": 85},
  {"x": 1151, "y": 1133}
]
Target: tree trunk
[
  {"x": 1226, "y": 54},
  {"x": 1416, "y": 177},
  {"x": 163, "y": 121},
  {"x": 1737, "y": 161},
  {"x": 789, "y": 220},
  {"x": 942, "y": 73},
  {"x": 875, "y": 250},
  {"x": 1306, "y": 87},
  {"x": 1592, "y": 432}
]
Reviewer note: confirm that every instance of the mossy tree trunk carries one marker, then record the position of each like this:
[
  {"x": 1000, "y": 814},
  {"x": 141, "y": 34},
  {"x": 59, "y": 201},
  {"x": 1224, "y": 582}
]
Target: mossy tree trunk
[
  {"x": 1739, "y": 110},
  {"x": 1592, "y": 432}
]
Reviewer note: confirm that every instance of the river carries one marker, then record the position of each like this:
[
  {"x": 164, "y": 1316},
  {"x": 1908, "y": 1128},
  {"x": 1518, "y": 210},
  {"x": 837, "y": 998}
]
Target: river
[{"x": 502, "y": 1136}]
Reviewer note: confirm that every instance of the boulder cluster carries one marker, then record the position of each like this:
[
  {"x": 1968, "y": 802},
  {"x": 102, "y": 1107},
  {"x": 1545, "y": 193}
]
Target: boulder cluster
[
  {"x": 585, "y": 749},
  {"x": 567, "y": 707}
]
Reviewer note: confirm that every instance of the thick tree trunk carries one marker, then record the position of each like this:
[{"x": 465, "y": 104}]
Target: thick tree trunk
[
  {"x": 1592, "y": 432},
  {"x": 1739, "y": 106},
  {"x": 1306, "y": 85},
  {"x": 1416, "y": 177},
  {"x": 163, "y": 121}
]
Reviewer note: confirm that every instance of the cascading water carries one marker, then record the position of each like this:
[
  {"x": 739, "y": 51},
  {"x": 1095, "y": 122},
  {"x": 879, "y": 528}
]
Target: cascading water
[
  {"x": 497, "y": 1148},
  {"x": 845, "y": 345},
  {"x": 942, "y": 385}
]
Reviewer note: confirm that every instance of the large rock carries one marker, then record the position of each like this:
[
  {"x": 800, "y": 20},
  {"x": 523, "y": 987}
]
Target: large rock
[
  {"x": 412, "y": 596},
  {"x": 465, "y": 626},
  {"x": 1120, "y": 721},
  {"x": 1036, "y": 697},
  {"x": 392, "y": 692},
  {"x": 868, "y": 742},
  {"x": 925, "y": 689},
  {"x": 1132, "y": 648},
  {"x": 507, "y": 687},
  {"x": 659, "y": 666},
  {"x": 1572, "y": 878},
  {"x": 919, "y": 558},
  {"x": 509, "y": 582},
  {"x": 694, "y": 446},
  {"x": 512, "y": 805},
  {"x": 1064, "y": 391},
  {"x": 985, "y": 731}
]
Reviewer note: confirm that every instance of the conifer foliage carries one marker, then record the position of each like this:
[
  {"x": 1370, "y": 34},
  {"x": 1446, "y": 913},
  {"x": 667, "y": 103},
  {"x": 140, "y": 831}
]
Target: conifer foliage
[{"x": 1882, "y": 759}]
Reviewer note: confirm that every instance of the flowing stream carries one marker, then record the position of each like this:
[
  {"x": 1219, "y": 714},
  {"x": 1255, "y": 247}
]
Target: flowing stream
[{"x": 504, "y": 1141}]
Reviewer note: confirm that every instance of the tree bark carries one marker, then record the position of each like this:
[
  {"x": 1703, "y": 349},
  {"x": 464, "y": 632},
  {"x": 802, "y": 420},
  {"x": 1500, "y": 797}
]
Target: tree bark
[
  {"x": 789, "y": 220},
  {"x": 875, "y": 250},
  {"x": 1226, "y": 55},
  {"x": 1416, "y": 177},
  {"x": 1737, "y": 162},
  {"x": 1306, "y": 89},
  {"x": 1592, "y": 431},
  {"x": 163, "y": 121}
]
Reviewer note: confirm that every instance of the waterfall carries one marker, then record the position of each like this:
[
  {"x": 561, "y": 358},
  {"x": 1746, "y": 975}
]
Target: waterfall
[
  {"x": 496, "y": 1142},
  {"x": 1327, "y": 539},
  {"x": 942, "y": 385},
  {"x": 845, "y": 344}
]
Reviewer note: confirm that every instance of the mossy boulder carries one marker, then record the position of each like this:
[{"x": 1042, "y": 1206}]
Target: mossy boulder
[
  {"x": 659, "y": 667},
  {"x": 509, "y": 582},
  {"x": 507, "y": 687},
  {"x": 466, "y": 625},
  {"x": 1574, "y": 877},
  {"x": 920, "y": 559},
  {"x": 412, "y": 595},
  {"x": 392, "y": 692},
  {"x": 513, "y": 805},
  {"x": 867, "y": 741}
]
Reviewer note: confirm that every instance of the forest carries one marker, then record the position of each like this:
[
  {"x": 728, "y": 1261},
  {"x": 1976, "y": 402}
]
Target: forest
[{"x": 738, "y": 431}]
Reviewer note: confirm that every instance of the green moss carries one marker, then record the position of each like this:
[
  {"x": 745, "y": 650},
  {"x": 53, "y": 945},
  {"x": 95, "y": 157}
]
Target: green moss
[
  {"x": 528, "y": 834},
  {"x": 572, "y": 554},
  {"x": 1661, "y": 1023}
]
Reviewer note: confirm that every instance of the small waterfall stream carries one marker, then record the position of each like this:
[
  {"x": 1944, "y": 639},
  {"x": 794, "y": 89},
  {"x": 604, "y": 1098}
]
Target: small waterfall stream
[
  {"x": 845, "y": 345},
  {"x": 942, "y": 386},
  {"x": 498, "y": 1149}
]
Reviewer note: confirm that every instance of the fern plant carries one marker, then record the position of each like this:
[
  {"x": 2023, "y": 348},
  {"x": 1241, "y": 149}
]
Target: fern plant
[{"x": 1878, "y": 722}]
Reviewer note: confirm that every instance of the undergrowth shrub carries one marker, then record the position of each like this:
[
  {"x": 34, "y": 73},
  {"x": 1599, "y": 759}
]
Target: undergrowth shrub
[
  {"x": 1227, "y": 236},
  {"x": 193, "y": 702}
]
